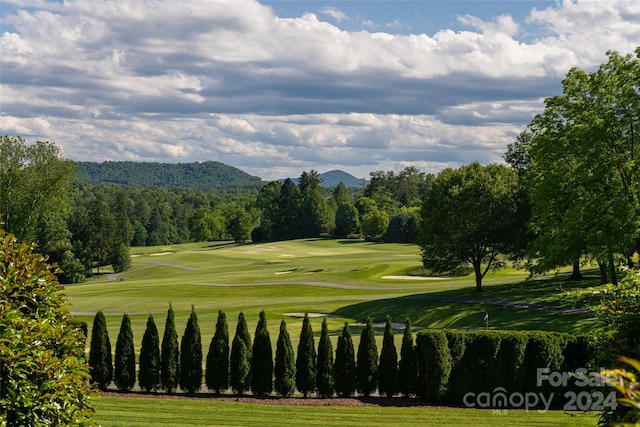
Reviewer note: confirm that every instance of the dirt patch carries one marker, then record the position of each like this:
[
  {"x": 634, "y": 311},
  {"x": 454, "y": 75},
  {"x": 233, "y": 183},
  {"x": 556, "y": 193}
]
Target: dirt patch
[{"x": 285, "y": 401}]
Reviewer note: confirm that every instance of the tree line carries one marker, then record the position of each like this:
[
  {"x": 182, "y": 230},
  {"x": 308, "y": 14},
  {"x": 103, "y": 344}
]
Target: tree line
[{"x": 242, "y": 365}]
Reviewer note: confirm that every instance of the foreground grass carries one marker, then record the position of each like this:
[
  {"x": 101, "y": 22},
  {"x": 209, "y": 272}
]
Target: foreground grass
[{"x": 140, "y": 411}]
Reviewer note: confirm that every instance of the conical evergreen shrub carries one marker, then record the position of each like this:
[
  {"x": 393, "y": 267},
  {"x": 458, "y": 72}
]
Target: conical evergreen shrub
[
  {"x": 408, "y": 365},
  {"x": 242, "y": 330},
  {"x": 100, "y": 361},
  {"x": 345, "y": 364},
  {"x": 285, "y": 364},
  {"x": 262, "y": 359},
  {"x": 306, "y": 359},
  {"x": 217, "y": 371},
  {"x": 388, "y": 369},
  {"x": 149, "y": 369},
  {"x": 191, "y": 356},
  {"x": 239, "y": 366},
  {"x": 170, "y": 368},
  {"x": 367, "y": 364},
  {"x": 125, "y": 363},
  {"x": 325, "y": 379}
]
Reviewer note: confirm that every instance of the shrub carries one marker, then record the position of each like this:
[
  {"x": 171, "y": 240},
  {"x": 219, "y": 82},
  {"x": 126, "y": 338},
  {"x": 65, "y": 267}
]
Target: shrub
[
  {"x": 149, "y": 369},
  {"x": 100, "y": 353},
  {"x": 408, "y": 365},
  {"x": 285, "y": 364},
  {"x": 345, "y": 364},
  {"x": 170, "y": 368},
  {"x": 388, "y": 369},
  {"x": 191, "y": 355},
  {"x": 325, "y": 381},
  {"x": 239, "y": 366},
  {"x": 367, "y": 364},
  {"x": 262, "y": 359},
  {"x": 510, "y": 361},
  {"x": 306, "y": 359},
  {"x": 435, "y": 364},
  {"x": 217, "y": 369},
  {"x": 43, "y": 371},
  {"x": 125, "y": 363}
]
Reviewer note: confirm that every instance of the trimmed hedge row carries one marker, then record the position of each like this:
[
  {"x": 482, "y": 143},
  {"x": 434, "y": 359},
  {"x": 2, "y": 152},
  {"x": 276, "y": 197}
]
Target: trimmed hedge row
[{"x": 453, "y": 363}]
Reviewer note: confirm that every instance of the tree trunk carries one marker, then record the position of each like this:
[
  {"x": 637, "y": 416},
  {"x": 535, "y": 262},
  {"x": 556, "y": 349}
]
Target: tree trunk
[
  {"x": 477, "y": 268},
  {"x": 603, "y": 273},
  {"x": 612, "y": 269},
  {"x": 576, "y": 274}
]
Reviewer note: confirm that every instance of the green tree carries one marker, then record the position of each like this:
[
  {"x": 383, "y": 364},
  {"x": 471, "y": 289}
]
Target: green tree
[
  {"x": 584, "y": 174},
  {"x": 289, "y": 225},
  {"x": 262, "y": 359},
  {"x": 367, "y": 361},
  {"x": 388, "y": 369},
  {"x": 345, "y": 364},
  {"x": 43, "y": 372},
  {"x": 268, "y": 202},
  {"x": 285, "y": 363},
  {"x": 149, "y": 369},
  {"x": 217, "y": 371},
  {"x": 470, "y": 215},
  {"x": 101, "y": 231},
  {"x": 170, "y": 368},
  {"x": 341, "y": 194},
  {"x": 408, "y": 365},
  {"x": 374, "y": 225},
  {"x": 191, "y": 355},
  {"x": 239, "y": 225},
  {"x": 314, "y": 210},
  {"x": 125, "y": 362},
  {"x": 240, "y": 358},
  {"x": 34, "y": 186},
  {"x": 403, "y": 227},
  {"x": 306, "y": 359},
  {"x": 120, "y": 258},
  {"x": 325, "y": 379},
  {"x": 100, "y": 353},
  {"x": 347, "y": 220},
  {"x": 239, "y": 369}
]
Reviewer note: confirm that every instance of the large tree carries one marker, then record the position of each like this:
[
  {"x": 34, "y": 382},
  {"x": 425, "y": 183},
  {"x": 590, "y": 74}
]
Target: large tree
[
  {"x": 471, "y": 215},
  {"x": 262, "y": 359},
  {"x": 100, "y": 360},
  {"x": 217, "y": 372},
  {"x": 585, "y": 169},
  {"x": 285, "y": 363},
  {"x": 191, "y": 355},
  {"x": 306, "y": 359},
  {"x": 44, "y": 377},
  {"x": 125, "y": 362},
  {"x": 149, "y": 369}
]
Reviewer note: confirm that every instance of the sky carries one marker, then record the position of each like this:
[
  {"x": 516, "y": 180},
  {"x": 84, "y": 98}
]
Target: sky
[{"x": 276, "y": 88}]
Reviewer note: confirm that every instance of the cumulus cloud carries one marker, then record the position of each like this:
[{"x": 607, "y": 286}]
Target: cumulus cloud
[{"x": 232, "y": 81}]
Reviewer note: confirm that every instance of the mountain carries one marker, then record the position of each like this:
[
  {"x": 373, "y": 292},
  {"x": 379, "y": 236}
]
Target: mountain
[
  {"x": 197, "y": 175},
  {"x": 333, "y": 178}
]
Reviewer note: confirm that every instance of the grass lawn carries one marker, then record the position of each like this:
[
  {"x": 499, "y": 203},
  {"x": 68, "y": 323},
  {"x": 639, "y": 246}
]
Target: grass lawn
[{"x": 147, "y": 412}]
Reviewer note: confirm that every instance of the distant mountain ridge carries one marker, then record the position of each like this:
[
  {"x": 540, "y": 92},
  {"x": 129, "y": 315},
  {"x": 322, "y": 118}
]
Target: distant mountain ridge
[
  {"x": 333, "y": 178},
  {"x": 197, "y": 175}
]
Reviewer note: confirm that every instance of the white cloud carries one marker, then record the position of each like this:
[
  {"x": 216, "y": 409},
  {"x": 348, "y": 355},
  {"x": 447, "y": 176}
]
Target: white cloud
[{"x": 232, "y": 81}]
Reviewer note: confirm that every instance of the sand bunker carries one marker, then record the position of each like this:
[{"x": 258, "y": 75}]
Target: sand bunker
[
  {"x": 161, "y": 253},
  {"x": 419, "y": 277}
]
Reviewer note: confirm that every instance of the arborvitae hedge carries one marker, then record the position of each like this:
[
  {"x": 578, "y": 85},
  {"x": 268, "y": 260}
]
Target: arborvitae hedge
[
  {"x": 367, "y": 364},
  {"x": 242, "y": 330},
  {"x": 325, "y": 379},
  {"x": 408, "y": 365},
  {"x": 125, "y": 363},
  {"x": 191, "y": 355},
  {"x": 239, "y": 366},
  {"x": 388, "y": 369},
  {"x": 149, "y": 369},
  {"x": 285, "y": 364},
  {"x": 100, "y": 361},
  {"x": 345, "y": 364},
  {"x": 217, "y": 369},
  {"x": 306, "y": 359},
  {"x": 170, "y": 367},
  {"x": 262, "y": 359},
  {"x": 434, "y": 365}
]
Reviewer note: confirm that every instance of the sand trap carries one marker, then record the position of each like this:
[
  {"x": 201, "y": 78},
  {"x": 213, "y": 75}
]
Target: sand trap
[
  {"x": 135, "y": 255},
  {"x": 284, "y": 272},
  {"x": 419, "y": 277},
  {"x": 161, "y": 253}
]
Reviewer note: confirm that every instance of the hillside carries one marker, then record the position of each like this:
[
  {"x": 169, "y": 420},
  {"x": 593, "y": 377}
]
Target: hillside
[
  {"x": 199, "y": 175},
  {"x": 335, "y": 177}
]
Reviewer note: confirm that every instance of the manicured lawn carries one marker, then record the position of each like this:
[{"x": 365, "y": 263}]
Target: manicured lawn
[{"x": 147, "y": 412}]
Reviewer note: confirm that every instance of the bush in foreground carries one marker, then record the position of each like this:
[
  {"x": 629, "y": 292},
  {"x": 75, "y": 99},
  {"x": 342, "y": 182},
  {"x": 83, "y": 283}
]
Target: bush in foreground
[
  {"x": 217, "y": 371},
  {"x": 285, "y": 364},
  {"x": 149, "y": 370},
  {"x": 125, "y": 363},
  {"x": 191, "y": 356},
  {"x": 367, "y": 363},
  {"x": 170, "y": 367},
  {"x": 100, "y": 353},
  {"x": 262, "y": 359},
  {"x": 325, "y": 378},
  {"x": 345, "y": 364},
  {"x": 306, "y": 359}
]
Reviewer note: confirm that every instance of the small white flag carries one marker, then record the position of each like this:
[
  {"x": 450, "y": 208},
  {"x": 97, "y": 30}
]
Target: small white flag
[{"x": 486, "y": 317}]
